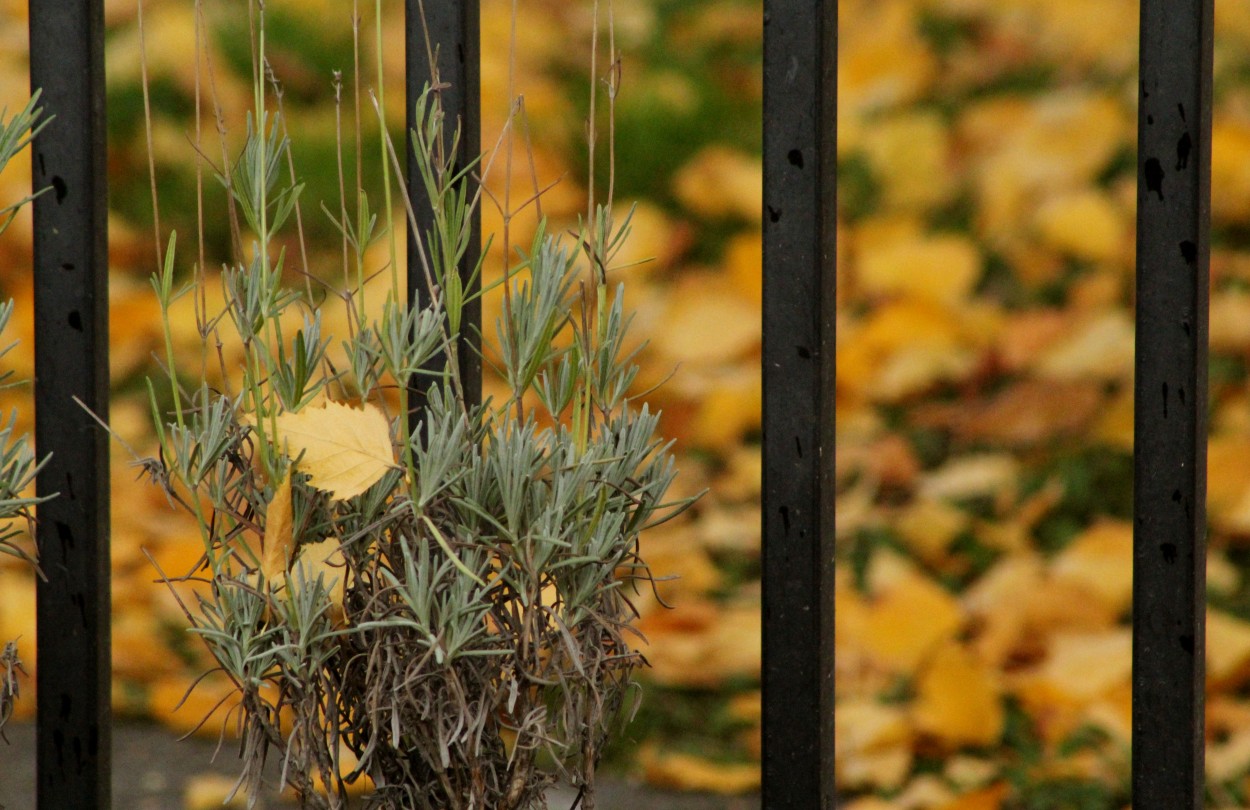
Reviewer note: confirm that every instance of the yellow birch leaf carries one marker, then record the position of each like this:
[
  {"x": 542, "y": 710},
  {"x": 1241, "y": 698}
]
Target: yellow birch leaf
[
  {"x": 345, "y": 450},
  {"x": 278, "y": 541}
]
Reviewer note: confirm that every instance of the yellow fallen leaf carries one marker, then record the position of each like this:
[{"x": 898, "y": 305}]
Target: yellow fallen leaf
[
  {"x": 347, "y": 762},
  {"x": 884, "y": 61},
  {"x": 925, "y": 790},
  {"x": 1228, "y": 483},
  {"x": 345, "y": 450},
  {"x": 278, "y": 541},
  {"x": 865, "y": 725},
  {"x": 743, "y": 264},
  {"x": 1229, "y": 329},
  {"x": 707, "y": 322},
  {"x": 721, "y": 182},
  {"x": 1223, "y": 575},
  {"x": 207, "y": 791},
  {"x": 1082, "y": 666},
  {"x": 134, "y": 654},
  {"x": 901, "y": 349},
  {"x": 911, "y": 154},
  {"x": 1228, "y": 649},
  {"x": 929, "y": 525},
  {"x": 1101, "y": 349},
  {"x": 1228, "y": 758},
  {"x": 972, "y": 476},
  {"x": 958, "y": 699},
  {"x": 1101, "y": 560},
  {"x": 908, "y": 621},
  {"x": 886, "y": 769},
  {"x": 937, "y": 268},
  {"x": 1086, "y": 224},
  {"x": 689, "y": 772},
  {"x": 1230, "y": 140}
]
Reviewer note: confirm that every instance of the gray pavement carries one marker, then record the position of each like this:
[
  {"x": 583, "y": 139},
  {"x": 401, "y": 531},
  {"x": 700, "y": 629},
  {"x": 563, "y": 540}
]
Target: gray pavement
[{"x": 151, "y": 769}]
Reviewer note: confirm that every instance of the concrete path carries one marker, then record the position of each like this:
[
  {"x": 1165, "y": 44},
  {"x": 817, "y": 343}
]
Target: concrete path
[{"x": 151, "y": 770}]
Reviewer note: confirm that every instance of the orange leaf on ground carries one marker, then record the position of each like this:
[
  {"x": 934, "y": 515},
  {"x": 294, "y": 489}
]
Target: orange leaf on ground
[
  {"x": 214, "y": 694},
  {"x": 702, "y": 643},
  {"x": 1230, "y": 172}
]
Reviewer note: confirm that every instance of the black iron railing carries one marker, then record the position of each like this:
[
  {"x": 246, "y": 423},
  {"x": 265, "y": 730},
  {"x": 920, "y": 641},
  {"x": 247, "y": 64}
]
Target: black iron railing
[
  {"x": 1170, "y": 435},
  {"x": 71, "y": 362},
  {"x": 799, "y": 236},
  {"x": 450, "y": 34},
  {"x": 800, "y": 230}
]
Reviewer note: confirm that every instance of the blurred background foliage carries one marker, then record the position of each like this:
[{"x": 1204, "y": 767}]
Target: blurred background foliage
[
  {"x": 688, "y": 137},
  {"x": 987, "y": 184}
]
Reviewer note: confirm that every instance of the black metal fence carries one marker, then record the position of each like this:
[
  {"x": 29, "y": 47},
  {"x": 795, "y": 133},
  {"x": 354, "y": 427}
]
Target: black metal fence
[{"x": 800, "y": 47}]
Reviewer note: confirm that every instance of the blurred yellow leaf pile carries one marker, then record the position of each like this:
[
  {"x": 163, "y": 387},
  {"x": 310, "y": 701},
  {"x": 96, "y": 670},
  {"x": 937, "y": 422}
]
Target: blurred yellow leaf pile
[
  {"x": 985, "y": 362},
  {"x": 986, "y": 202}
]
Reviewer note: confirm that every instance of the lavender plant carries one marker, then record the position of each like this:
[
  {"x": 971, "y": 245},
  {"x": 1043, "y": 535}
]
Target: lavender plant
[
  {"x": 438, "y": 596},
  {"x": 17, "y": 458}
]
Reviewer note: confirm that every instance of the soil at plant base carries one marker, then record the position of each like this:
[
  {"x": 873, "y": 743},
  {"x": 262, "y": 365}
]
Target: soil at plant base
[{"x": 152, "y": 770}]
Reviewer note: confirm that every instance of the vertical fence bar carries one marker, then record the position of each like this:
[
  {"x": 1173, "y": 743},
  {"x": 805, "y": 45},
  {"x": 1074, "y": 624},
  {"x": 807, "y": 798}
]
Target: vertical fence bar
[
  {"x": 1169, "y": 558},
  {"x": 71, "y": 360},
  {"x": 800, "y": 64},
  {"x": 451, "y": 30}
]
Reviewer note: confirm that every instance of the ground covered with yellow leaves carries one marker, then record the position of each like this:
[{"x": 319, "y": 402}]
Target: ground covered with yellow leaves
[
  {"x": 985, "y": 359},
  {"x": 986, "y": 181}
]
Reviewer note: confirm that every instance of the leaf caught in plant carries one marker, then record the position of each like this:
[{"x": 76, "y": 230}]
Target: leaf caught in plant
[
  {"x": 278, "y": 541},
  {"x": 325, "y": 559},
  {"x": 344, "y": 450}
]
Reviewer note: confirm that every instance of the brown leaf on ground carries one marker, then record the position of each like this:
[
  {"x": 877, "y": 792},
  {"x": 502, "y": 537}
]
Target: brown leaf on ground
[{"x": 1027, "y": 413}]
